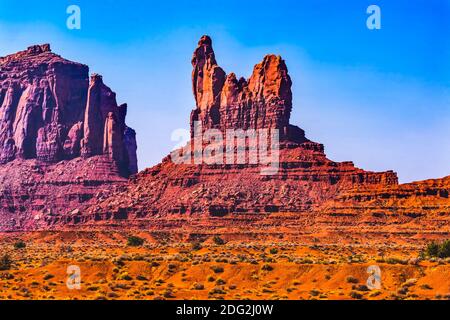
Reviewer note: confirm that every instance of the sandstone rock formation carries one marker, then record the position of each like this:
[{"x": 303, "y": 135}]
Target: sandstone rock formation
[
  {"x": 50, "y": 112},
  {"x": 309, "y": 197},
  {"x": 224, "y": 102},
  {"x": 63, "y": 138},
  {"x": 308, "y": 194}
]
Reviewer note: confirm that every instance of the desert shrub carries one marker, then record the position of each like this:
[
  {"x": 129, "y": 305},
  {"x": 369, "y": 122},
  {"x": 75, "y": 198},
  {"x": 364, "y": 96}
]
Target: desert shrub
[
  {"x": 125, "y": 276},
  {"x": 134, "y": 241},
  {"x": 48, "y": 276},
  {"x": 426, "y": 287},
  {"x": 198, "y": 286},
  {"x": 168, "y": 293},
  {"x": 19, "y": 245},
  {"x": 395, "y": 260},
  {"x": 112, "y": 295},
  {"x": 314, "y": 293},
  {"x": 375, "y": 293},
  {"x": 267, "y": 267},
  {"x": 5, "y": 262},
  {"x": 217, "y": 269},
  {"x": 403, "y": 290},
  {"x": 196, "y": 246},
  {"x": 118, "y": 261},
  {"x": 218, "y": 241},
  {"x": 432, "y": 249},
  {"x": 444, "y": 249},
  {"x": 356, "y": 295},
  {"x": 362, "y": 287},
  {"x": 351, "y": 279},
  {"x": 217, "y": 290},
  {"x": 436, "y": 250},
  {"x": 410, "y": 282},
  {"x": 93, "y": 288}
]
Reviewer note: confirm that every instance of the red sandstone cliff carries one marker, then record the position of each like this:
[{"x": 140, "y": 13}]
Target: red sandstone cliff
[
  {"x": 309, "y": 195},
  {"x": 53, "y": 119},
  {"x": 224, "y": 102},
  {"x": 49, "y": 110},
  {"x": 170, "y": 193}
]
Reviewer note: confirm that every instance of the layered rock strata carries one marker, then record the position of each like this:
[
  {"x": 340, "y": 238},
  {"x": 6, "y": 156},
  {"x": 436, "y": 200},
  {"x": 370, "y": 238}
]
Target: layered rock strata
[{"x": 305, "y": 178}]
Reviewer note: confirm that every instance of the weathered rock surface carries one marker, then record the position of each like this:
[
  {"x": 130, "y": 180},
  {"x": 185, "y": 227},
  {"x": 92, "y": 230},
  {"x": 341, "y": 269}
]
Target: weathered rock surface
[
  {"x": 224, "y": 102},
  {"x": 63, "y": 138},
  {"x": 310, "y": 195},
  {"x": 38, "y": 195},
  {"x": 50, "y": 112}
]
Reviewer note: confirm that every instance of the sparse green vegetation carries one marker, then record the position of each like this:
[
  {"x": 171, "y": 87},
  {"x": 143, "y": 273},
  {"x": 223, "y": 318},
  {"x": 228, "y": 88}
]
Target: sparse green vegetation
[
  {"x": 218, "y": 241},
  {"x": 48, "y": 276},
  {"x": 253, "y": 271},
  {"x": 196, "y": 246},
  {"x": 356, "y": 295},
  {"x": 351, "y": 279},
  {"x": 438, "y": 250},
  {"x": 217, "y": 269},
  {"x": 134, "y": 241},
  {"x": 19, "y": 245},
  {"x": 198, "y": 286},
  {"x": 267, "y": 267},
  {"x": 5, "y": 262}
]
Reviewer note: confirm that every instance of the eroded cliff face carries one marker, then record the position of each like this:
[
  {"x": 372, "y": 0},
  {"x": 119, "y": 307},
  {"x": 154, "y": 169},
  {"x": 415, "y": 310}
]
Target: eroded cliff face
[
  {"x": 264, "y": 101},
  {"x": 63, "y": 138},
  {"x": 308, "y": 196},
  {"x": 211, "y": 196},
  {"x": 50, "y": 111}
]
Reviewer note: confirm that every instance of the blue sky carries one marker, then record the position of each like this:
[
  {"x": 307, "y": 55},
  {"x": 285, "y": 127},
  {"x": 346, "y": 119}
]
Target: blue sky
[{"x": 380, "y": 98}]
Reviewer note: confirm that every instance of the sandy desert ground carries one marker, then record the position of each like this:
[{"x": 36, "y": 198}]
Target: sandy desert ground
[{"x": 112, "y": 269}]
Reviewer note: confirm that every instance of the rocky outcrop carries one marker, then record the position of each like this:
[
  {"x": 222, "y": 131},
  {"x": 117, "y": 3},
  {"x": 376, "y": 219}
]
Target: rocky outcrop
[
  {"x": 63, "y": 139},
  {"x": 208, "y": 196},
  {"x": 224, "y": 102},
  {"x": 41, "y": 96},
  {"x": 49, "y": 111},
  {"x": 38, "y": 195},
  {"x": 308, "y": 196}
]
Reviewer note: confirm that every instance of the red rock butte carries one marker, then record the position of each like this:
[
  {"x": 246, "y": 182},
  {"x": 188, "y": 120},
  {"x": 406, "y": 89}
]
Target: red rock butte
[
  {"x": 63, "y": 137},
  {"x": 309, "y": 196},
  {"x": 206, "y": 197}
]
